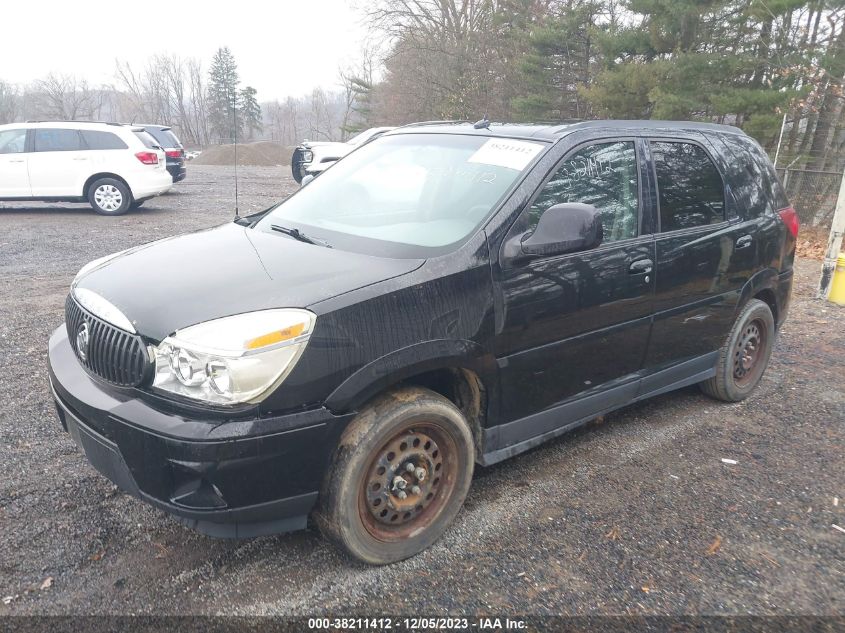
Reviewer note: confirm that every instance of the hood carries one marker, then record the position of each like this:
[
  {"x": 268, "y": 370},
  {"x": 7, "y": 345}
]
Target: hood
[{"x": 180, "y": 281}]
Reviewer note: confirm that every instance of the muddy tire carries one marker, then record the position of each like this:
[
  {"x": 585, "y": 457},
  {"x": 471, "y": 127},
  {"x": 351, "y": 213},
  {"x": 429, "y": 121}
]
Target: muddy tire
[
  {"x": 744, "y": 356},
  {"x": 399, "y": 476}
]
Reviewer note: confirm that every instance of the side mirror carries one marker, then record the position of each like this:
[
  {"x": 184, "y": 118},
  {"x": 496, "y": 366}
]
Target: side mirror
[
  {"x": 306, "y": 180},
  {"x": 563, "y": 228}
]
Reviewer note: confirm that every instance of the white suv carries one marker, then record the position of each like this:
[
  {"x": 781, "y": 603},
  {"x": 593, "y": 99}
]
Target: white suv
[{"x": 114, "y": 167}]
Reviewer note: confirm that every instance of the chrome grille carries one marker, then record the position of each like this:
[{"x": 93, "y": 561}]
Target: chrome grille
[{"x": 114, "y": 355}]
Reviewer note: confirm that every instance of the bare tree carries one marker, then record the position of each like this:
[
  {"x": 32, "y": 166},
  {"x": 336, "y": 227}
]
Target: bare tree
[
  {"x": 67, "y": 97},
  {"x": 9, "y": 102}
]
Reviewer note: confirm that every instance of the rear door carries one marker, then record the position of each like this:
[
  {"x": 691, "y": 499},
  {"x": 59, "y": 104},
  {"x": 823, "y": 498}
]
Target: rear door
[
  {"x": 575, "y": 325},
  {"x": 705, "y": 252},
  {"x": 59, "y": 163},
  {"x": 14, "y": 177}
]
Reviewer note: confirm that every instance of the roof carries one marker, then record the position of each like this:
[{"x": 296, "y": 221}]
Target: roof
[
  {"x": 72, "y": 125},
  {"x": 554, "y": 131}
]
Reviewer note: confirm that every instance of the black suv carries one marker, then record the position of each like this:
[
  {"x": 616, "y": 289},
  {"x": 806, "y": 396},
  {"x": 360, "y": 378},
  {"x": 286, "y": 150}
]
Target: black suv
[
  {"x": 173, "y": 149},
  {"x": 446, "y": 295}
]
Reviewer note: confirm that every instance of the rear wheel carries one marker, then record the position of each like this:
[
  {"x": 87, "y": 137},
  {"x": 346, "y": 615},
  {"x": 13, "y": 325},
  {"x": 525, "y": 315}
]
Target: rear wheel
[
  {"x": 109, "y": 196},
  {"x": 399, "y": 476},
  {"x": 745, "y": 355}
]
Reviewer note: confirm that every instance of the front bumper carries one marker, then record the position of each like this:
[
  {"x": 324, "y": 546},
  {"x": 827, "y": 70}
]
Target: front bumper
[{"x": 231, "y": 478}]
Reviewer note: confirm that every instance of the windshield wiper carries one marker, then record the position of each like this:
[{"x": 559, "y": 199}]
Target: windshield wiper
[{"x": 299, "y": 235}]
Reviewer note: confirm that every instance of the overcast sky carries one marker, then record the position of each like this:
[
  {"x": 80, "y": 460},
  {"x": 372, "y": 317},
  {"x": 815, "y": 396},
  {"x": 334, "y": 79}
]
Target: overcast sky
[{"x": 282, "y": 47}]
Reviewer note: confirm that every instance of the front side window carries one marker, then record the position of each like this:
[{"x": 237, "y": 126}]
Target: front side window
[
  {"x": 404, "y": 195},
  {"x": 691, "y": 191},
  {"x": 57, "y": 140},
  {"x": 12, "y": 141},
  {"x": 603, "y": 175}
]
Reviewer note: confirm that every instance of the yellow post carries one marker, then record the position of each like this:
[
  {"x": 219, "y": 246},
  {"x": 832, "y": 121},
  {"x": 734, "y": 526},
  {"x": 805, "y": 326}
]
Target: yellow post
[{"x": 837, "y": 287}]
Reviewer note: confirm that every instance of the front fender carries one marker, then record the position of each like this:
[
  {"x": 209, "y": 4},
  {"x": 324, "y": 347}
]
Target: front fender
[{"x": 411, "y": 361}]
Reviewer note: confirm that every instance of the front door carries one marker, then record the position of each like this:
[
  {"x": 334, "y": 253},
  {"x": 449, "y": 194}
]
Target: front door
[
  {"x": 59, "y": 163},
  {"x": 14, "y": 177},
  {"x": 577, "y": 324}
]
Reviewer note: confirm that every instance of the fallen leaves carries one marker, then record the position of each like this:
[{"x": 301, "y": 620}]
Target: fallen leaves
[
  {"x": 10, "y": 599},
  {"x": 98, "y": 555},
  {"x": 614, "y": 534},
  {"x": 48, "y": 582},
  {"x": 714, "y": 546}
]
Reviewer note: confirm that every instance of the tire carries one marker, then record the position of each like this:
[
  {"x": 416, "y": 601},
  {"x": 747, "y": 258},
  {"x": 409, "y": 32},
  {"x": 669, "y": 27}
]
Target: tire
[
  {"x": 744, "y": 356},
  {"x": 361, "y": 509},
  {"x": 108, "y": 196}
]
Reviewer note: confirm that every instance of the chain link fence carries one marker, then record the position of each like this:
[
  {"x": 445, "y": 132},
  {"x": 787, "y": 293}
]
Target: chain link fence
[{"x": 812, "y": 194}]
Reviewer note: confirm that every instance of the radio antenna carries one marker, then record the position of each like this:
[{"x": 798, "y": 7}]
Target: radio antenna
[{"x": 235, "y": 137}]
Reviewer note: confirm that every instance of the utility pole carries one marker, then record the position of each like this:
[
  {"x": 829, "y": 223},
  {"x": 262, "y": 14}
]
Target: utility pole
[{"x": 837, "y": 231}]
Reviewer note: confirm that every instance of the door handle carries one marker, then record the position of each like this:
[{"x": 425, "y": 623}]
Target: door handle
[
  {"x": 641, "y": 267},
  {"x": 744, "y": 241},
  {"x": 81, "y": 158},
  {"x": 19, "y": 160}
]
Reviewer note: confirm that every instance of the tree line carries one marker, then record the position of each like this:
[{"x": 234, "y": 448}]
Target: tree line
[
  {"x": 766, "y": 66},
  {"x": 748, "y": 63},
  {"x": 204, "y": 106}
]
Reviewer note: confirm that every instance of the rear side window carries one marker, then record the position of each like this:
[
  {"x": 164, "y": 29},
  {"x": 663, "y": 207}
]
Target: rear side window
[
  {"x": 57, "y": 140},
  {"x": 691, "y": 191},
  {"x": 147, "y": 139},
  {"x": 12, "y": 141},
  {"x": 754, "y": 177},
  {"x": 94, "y": 139},
  {"x": 604, "y": 176},
  {"x": 165, "y": 138}
]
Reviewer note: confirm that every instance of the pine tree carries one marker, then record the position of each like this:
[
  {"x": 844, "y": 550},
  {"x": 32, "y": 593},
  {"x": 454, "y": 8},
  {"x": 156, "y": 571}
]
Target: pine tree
[
  {"x": 249, "y": 112},
  {"x": 223, "y": 96}
]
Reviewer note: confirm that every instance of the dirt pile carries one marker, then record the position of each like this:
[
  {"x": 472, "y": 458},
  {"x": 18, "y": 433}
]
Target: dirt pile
[{"x": 264, "y": 153}]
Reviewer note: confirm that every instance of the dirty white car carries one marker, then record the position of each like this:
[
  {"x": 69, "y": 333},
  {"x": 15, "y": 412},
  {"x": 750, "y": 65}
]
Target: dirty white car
[{"x": 312, "y": 157}]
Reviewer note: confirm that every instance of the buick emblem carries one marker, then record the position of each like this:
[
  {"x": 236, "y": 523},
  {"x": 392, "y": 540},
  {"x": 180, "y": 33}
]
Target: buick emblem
[{"x": 82, "y": 339}]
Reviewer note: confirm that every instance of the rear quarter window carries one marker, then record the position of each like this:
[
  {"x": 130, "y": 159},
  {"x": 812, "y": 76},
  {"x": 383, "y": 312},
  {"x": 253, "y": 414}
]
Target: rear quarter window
[
  {"x": 95, "y": 139},
  {"x": 147, "y": 139},
  {"x": 757, "y": 188},
  {"x": 165, "y": 138}
]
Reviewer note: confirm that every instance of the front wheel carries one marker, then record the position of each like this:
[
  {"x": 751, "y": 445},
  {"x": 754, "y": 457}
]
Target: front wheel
[
  {"x": 400, "y": 474},
  {"x": 109, "y": 196},
  {"x": 745, "y": 355}
]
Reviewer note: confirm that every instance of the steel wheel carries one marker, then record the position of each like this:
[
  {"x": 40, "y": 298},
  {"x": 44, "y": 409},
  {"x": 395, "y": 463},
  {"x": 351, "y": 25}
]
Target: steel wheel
[
  {"x": 108, "y": 197},
  {"x": 408, "y": 482},
  {"x": 398, "y": 477},
  {"x": 747, "y": 353}
]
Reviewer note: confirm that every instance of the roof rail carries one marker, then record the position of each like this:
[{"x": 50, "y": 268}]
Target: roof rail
[
  {"x": 444, "y": 122},
  {"x": 72, "y": 121}
]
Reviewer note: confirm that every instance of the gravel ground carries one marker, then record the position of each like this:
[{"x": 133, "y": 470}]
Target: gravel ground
[{"x": 636, "y": 513}]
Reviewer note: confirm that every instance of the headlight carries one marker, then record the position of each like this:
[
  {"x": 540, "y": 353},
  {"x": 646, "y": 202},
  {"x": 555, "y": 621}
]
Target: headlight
[
  {"x": 307, "y": 156},
  {"x": 235, "y": 359}
]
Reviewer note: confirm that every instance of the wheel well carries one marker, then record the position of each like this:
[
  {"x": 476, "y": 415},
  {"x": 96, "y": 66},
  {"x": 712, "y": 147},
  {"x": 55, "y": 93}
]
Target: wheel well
[
  {"x": 768, "y": 297},
  {"x": 463, "y": 388},
  {"x": 96, "y": 177}
]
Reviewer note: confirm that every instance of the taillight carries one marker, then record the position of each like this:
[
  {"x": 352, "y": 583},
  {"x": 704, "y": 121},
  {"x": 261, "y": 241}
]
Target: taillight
[
  {"x": 148, "y": 158},
  {"x": 790, "y": 219},
  {"x": 174, "y": 153}
]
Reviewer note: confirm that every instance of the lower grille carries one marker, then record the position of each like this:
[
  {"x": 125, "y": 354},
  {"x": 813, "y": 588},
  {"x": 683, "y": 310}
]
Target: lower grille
[{"x": 114, "y": 355}]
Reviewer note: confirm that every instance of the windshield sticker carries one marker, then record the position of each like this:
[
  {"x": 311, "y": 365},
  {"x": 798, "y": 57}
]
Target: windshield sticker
[{"x": 504, "y": 152}]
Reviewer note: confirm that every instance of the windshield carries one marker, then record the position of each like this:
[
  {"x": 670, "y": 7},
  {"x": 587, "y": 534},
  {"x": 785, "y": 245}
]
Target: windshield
[{"x": 409, "y": 195}]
